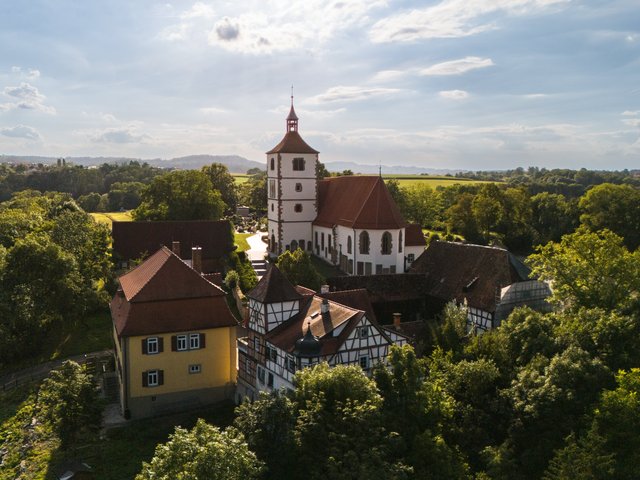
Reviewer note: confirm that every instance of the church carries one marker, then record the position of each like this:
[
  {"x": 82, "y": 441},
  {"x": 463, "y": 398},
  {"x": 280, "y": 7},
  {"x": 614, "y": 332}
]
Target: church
[{"x": 349, "y": 221}]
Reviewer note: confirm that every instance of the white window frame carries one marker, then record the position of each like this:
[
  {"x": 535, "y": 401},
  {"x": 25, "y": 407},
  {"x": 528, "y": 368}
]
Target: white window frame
[
  {"x": 153, "y": 378},
  {"x": 153, "y": 346},
  {"x": 195, "y": 368},
  {"x": 181, "y": 343},
  {"x": 290, "y": 363},
  {"x": 194, "y": 341},
  {"x": 271, "y": 353}
]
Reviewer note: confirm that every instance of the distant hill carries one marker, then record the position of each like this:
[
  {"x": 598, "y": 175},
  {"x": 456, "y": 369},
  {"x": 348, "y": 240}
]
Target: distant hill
[{"x": 235, "y": 163}]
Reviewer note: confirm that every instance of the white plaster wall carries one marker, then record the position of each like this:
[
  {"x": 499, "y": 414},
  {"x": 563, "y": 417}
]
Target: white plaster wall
[{"x": 286, "y": 165}]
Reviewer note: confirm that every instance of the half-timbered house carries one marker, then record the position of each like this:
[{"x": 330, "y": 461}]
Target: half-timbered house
[{"x": 290, "y": 328}]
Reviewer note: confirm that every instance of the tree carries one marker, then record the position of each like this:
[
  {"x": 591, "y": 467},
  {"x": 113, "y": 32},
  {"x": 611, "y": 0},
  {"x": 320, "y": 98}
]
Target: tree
[
  {"x": 460, "y": 218},
  {"x": 205, "y": 452},
  {"x": 124, "y": 196},
  {"x": 68, "y": 401},
  {"x": 423, "y": 205},
  {"x": 268, "y": 426},
  {"x": 399, "y": 195},
  {"x": 180, "y": 195},
  {"x": 298, "y": 269},
  {"x": 613, "y": 207},
  {"x": 588, "y": 269},
  {"x": 552, "y": 216},
  {"x": 224, "y": 182},
  {"x": 253, "y": 193}
]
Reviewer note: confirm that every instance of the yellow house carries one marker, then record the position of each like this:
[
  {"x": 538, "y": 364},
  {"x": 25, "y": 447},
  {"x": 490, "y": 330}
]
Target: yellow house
[{"x": 175, "y": 338}]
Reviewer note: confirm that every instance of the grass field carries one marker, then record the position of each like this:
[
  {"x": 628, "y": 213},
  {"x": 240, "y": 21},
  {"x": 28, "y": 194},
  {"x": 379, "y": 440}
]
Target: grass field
[
  {"x": 240, "y": 240},
  {"x": 240, "y": 178},
  {"x": 432, "y": 180},
  {"x": 109, "y": 217}
]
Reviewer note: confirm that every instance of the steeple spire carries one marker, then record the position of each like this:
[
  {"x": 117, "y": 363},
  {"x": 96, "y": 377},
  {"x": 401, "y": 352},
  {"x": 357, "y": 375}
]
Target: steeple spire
[{"x": 292, "y": 118}]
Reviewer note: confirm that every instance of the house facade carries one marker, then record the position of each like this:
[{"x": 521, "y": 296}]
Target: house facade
[
  {"x": 290, "y": 328},
  {"x": 174, "y": 337},
  {"x": 349, "y": 221}
]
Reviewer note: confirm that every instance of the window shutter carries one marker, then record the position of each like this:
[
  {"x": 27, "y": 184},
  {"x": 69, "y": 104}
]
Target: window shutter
[
  {"x": 160, "y": 377},
  {"x": 160, "y": 344},
  {"x": 202, "y": 344},
  {"x": 144, "y": 346},
  {"x": 145, "y": 379},
  {"x": 174, "y": 343}
]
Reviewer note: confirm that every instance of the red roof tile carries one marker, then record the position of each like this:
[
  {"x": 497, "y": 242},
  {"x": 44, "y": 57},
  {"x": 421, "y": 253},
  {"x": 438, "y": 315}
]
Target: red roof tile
[
  {"x": 357, "y": 202},
  {"x": 164, "y": 294},
  {"x": 274, "y": 287},
  {"x": 133, "y": 239},
  {"x": 472, "y": 272},
  {"x": 414, "y": 236},
  {"x": 292, "y": 142}
]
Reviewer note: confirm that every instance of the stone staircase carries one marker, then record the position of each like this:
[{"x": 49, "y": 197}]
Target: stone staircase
[{"x": 260, "y": 266}]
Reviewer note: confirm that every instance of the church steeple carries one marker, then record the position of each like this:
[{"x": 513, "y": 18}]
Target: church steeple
[{"x": 292, "y": 118}]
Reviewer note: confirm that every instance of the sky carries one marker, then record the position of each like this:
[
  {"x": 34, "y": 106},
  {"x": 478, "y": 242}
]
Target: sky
[{"x": 452, "y": 84}]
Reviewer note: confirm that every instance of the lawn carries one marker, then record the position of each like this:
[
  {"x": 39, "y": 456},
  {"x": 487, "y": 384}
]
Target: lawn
[
  {"x": 109, "y": 217},
  {"x": 240, "y": 240},
  {"x": 240, "y": 178},
  {"x": 431, "y": 180}
]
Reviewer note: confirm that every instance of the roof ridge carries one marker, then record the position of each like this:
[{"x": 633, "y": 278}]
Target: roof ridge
[{"x": 141, "y": 265}]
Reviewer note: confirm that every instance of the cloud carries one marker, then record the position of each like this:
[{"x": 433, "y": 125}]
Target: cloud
[
  {"x": 273, "y": 25},
  {"x": 30, "y": 73},
  {"x": 457, "y": 67},
  {"x": 347, "y": 94},
  {"x": 27, "y": 97},
  {"x": 21, "y": 131},
  {"x": 198, "y": 10},
  {"x": 227, "y": 30},
  {"x": 631, "y": 113},
  {"x": 454, "y": 94},
  {"x": 119, "y": 135},
  {"x": 212, "y": 110},
  {"x": 390, "y": 75},
  {"x": 451, "y": 19}
]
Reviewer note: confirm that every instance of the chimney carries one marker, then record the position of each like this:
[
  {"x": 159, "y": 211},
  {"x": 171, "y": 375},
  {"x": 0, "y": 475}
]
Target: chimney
[
  {"x": 324, "y": 289},
  {"x": 175, "y": 247},
  {"x": 324, "y": 307},
  {"x": 196, "y": 259},
  {"x": 397, "y": 319}
]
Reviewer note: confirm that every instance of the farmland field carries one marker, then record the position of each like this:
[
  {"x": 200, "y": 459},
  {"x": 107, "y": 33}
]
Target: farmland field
[
  {"x": 431, "y": 180},
  {"x": 240, "y": 178},
  {"x": 109, "y": 217}
]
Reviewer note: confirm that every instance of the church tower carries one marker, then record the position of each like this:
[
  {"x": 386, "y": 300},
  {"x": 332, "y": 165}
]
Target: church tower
[{"x": 292, "y": 186}]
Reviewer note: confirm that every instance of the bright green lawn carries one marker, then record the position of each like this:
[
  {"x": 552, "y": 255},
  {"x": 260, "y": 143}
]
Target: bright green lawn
[
  {"x": 240, "y": 178},
  {"x": 109, "y": 217},
  {"x": 240, "y": 240}
]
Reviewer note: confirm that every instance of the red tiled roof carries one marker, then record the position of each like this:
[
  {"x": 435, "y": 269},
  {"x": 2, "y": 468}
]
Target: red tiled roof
[
  {"x": 292, "y": 142},
  {"x": 414, "y": 236},
  {"x": 357, "y": 298},
  {"x": 357, "y": 202},
  {"x": 274, "y": 287},
  {"x": 164, "y": 294},
  {"x": 132, "y": 239},
  {"x": 285, "y": 335},
  {"x": 472, "y": 272}
]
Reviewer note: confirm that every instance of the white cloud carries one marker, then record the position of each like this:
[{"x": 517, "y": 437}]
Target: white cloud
[
  {"x": 212, "y": 110},
  {"x": 272, "y": 25},
  {"x": 451, "y": 18},
  {"x": 120, "y": 135},
  {"x": 199, "y": 10},
  {"x": 21, "y": 131},
  {"x": 457, "y": 67},
  {"x": 631, "y": 113},
  {"x": 347, "y": 94},
  {"x": 632, "y": 122},
  {"x": 454, "y": 94},
  {"x": 27, "y": 97},
  {"x": 30, "y": 73},
  {"x": 390, "y": 75}
]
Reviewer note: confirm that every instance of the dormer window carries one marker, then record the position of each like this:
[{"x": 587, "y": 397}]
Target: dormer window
[{"x": 298, "y": 164}]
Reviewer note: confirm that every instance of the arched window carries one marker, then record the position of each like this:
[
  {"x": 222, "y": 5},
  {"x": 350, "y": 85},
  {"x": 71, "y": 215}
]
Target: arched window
[
  {"x": 294, "y": 245},
  {"x": 400, "y": 242},
  {"x": 301, "y": 244},
  {"x": 273, "y": 163},
  {"x": 386, "y": 243},
  {"x": 349, "y": 244},
  {"x": 364, "y": 243}
]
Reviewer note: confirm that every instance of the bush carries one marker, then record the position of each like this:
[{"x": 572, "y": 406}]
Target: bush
[{"x": 231, "y": 280}]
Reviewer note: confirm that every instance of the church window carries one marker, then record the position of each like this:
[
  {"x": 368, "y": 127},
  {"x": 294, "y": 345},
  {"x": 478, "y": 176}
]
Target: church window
[
  {"x": 349, "y": 246},
  {"x": 294, "y": 245},
  {"x": 273, "y": 163},
  {"x": 298, "y": 164},
  {"x": 301, "y": 244},
  {"x": 364, "y": 243},
  {"x": 400, "y": 242},
  {"x": 298, "y": 187},
  {"x": 386, "y": 243},
  {"x": 298, "y": 207}
]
